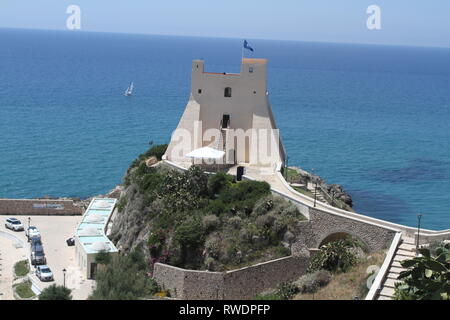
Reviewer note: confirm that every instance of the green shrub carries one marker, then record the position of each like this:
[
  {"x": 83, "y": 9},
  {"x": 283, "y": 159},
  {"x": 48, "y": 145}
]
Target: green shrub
[
  {"x": 427, "y": 277},
  {"x": 265, "y": 221},
  {"x": 103, "y": 257},
  {"x": 235, "y": 222},
  {"x": 156, "y": 241},
  {"x": 434, "y": 246},
  {"x": 217, "y": 207},
  {"x": 287, "y": 290},
  {"x": 21, "y": 268},
  {"x": 196, "y": 181},
  {"x": 122, "y": 203},
  {"x": 211, "y": 223},
  {"x": 243, "y": 195},
  {"x": 323, "y": 277},
  {"x": 282, "y": 251},
  {"x": 156, "y": 151},
  {"x": 124, "y": 278},
  {"x": 213, "y": 247},
  {"x": 334, "y": 256},
  {"x": 264, "y": 205},
  {"x": 55, "y": 292},
  {"x": 137, "y": 259},
  {"x": 189, "y": 234},
  {"x": 218, "y": 182},
  {"x": 311, "y": 282},
  {"x": 150, "y": 182}
]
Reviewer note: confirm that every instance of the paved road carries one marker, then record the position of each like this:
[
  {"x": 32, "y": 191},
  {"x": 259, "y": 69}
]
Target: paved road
[{"x": 54, "y": 232}]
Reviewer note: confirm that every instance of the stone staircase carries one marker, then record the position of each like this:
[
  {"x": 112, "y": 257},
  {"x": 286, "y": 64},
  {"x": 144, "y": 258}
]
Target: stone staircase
[
  {"x": 405, "y": 251},
  {"x": 315, "y": 192}
]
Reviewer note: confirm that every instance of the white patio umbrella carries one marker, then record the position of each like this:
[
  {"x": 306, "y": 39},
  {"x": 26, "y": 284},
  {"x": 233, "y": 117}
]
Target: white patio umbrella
[{"x": 206, "y": 153}]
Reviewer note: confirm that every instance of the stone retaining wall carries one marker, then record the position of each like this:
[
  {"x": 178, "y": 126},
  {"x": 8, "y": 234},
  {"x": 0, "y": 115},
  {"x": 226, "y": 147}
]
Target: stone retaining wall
[
  {"x": 38, "y": 207},
  {"x": 243, "y": 283},
  {"x": 246, "y": 283}
]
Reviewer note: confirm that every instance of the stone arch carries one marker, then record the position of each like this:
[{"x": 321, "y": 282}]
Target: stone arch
[
  {"x": 334, "y": 237},
  {"x": 322, "y": 224},
  {"x": 341, "y": 235}
]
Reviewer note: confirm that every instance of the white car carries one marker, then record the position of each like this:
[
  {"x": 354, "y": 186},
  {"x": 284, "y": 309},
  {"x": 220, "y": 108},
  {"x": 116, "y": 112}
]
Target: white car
[
  {"x": 14, "y": 224},
  {"x": 44, "y": 273},
  {"x": 32, "y": 232}
]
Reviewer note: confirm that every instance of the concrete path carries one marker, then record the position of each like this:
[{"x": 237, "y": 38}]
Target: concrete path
[
  {"x": 9, "y": 255},
  {"x": 275, "y": 183}
]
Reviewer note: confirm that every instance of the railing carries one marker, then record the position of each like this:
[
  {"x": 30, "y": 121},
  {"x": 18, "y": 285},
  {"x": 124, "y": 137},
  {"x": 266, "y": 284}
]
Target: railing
[
  {"x": 376, "y": 285},
  {"x": 425, "y": 234}
]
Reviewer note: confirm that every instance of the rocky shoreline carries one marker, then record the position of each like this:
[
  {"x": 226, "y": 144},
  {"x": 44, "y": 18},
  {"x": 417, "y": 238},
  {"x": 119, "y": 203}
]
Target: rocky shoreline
[{"x": 309, "y": 184}]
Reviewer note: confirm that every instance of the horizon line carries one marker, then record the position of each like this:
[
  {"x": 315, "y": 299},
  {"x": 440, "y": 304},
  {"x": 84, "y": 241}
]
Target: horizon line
[{"x": 230, "y": 37}]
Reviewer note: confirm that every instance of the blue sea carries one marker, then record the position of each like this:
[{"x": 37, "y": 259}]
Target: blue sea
[{"x": 375, "y": 119}]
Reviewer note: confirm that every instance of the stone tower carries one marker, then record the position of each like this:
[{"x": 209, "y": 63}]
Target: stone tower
[{"x": 229, "y": 112}]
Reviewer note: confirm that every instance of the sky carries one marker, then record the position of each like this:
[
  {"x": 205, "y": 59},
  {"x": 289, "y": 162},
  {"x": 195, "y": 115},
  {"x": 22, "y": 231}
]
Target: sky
[{"x": 403, "y": 22}]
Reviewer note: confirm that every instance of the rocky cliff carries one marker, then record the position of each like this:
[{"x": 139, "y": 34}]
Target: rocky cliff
[{"x": 192, "y": 220}]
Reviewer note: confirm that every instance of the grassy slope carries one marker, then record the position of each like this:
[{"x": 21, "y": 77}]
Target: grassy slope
[{"x": 347, "y": 286}]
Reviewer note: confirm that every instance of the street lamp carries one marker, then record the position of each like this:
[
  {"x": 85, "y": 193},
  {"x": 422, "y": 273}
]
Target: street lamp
[
  {"x": 332, "y": 198},
  {"x": 27, "y": 233},
  {"x": 419, "y": 217},
  {"x": 286, "y": 166},
  {"x": 315, "y": 188},
  {"x": 64, "y": 275}
]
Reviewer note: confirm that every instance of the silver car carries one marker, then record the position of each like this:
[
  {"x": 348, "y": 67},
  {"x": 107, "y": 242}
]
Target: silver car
[{"x": 44, "y": 273}]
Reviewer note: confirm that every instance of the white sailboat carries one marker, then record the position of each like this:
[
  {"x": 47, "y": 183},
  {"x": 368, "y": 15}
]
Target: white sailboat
[{"x": 129, "y": 90}]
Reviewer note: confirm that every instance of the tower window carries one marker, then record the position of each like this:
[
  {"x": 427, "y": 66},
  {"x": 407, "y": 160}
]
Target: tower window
[
  {"x": 250, "y": 69},
  {"x": 227, "y": 93},
  {"x": 225, "y": 121},
  {"x": 199, "y": 91}
]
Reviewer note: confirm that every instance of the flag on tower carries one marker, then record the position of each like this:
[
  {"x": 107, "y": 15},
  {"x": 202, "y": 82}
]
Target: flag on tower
[{"x": 246, "y": 46}]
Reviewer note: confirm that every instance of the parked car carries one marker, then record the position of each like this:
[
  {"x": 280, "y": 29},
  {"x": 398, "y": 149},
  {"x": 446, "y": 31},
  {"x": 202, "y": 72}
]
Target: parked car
[
  {"x": 14, "y": 224},
  {"x": 70, "y": 242},
  {"x": 44, "y": 273},
  {"x": 36, "y": 244},
  {"x": 37, "y": 256},
  {"x": 35, "y": 241},
  {"x": 32, "y": 232}
]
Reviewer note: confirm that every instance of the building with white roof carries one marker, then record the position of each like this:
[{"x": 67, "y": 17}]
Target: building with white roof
[{"x": 90, "y": 235}]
